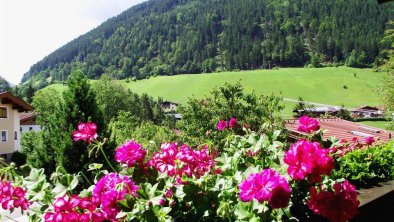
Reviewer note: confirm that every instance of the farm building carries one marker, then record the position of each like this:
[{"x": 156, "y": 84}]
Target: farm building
[
  {"x": 168, "y": 106},
  {"x": 367, "y": 112},
  {"x": 28, "y": 122},
  {"x": 319, "y": 111}
]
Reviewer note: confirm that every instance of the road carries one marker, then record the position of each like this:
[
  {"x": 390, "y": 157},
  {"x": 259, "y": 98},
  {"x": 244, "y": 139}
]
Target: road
[{"x": 308, "y": 103}]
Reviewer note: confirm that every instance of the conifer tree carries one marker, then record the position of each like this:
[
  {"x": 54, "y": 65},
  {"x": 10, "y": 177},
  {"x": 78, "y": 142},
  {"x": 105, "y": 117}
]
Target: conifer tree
[{"x": 81, "y": 106}]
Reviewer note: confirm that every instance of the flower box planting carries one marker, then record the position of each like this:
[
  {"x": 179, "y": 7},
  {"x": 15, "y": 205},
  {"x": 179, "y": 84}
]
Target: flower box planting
[{"x": 253, "y": 177}]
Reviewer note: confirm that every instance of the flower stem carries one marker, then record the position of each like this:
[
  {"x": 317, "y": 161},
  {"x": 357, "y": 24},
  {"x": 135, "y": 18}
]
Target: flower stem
[
  {"x": 87, "y": 180},
  {"x": 106, "y": 158},
  {"x": 10, "y": 218},
  {"x": 284, "y": 212}
]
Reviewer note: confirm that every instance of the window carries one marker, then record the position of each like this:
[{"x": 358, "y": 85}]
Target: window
[
  {"x": 16, "y": 135},
  {"x": 3, "y": 112},
  {"x": 30, "y": 128},
  {"x": 3, "y": 136}
]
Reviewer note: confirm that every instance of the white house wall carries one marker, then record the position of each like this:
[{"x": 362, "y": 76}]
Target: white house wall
[{"x": 27, "y": 128}]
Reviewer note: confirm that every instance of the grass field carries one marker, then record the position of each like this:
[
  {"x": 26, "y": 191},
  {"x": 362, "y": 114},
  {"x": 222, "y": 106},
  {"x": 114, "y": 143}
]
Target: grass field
[
  {"x": 378, "y": 124},
  {"x": 346, "y": 86},
  {"x": 321, "y": 85}
]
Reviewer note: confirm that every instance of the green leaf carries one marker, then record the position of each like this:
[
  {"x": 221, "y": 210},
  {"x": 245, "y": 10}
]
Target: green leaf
[
  {"x": 242, "y": 211},
  {"x": 95, "y": 166}
]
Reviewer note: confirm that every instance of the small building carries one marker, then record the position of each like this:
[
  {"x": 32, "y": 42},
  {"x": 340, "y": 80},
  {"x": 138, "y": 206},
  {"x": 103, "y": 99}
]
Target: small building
[
  {"x": 320, "y": 111},
  {"x": 168, "y": 106},
  {"x": 28, "y": 122},
  {"x": 342, "y": 129},
  {"x": 177, "y": 116},
  {"x": 10, "y": 108},
  {"x": 367, "y": 112}
]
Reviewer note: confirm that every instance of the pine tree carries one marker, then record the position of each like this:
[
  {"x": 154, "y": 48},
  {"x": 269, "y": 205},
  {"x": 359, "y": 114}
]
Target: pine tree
[
  {"x": 81, "y": 106},
  {"x": 45, "y": 149}
]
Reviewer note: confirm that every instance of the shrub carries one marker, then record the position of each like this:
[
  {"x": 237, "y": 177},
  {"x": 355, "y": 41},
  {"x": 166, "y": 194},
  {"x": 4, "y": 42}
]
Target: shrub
[
  {"x": 18, "y": 158},
  {"x": 368, "y": 166},
  {"x": 256, "y": 112}
]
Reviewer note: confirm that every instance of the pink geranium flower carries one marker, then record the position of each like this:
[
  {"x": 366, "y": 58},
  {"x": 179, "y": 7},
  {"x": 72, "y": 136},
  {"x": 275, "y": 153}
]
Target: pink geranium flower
[
  {"x": 222, "y": 124},
  {"x": 232, "y": 123},
  {"x": 307, "y": 159},
  {"x": 86, "y": 131},
  {"x": 110, "y": 189},
  {"x": 164, "y": 161},
  {"x": 130, "y": 153},
  {"x": 308, "y": 125},
  {"x": 195, "y": 162},
  {"x": 369, "y": 140},
  {"x": 13, "y": 197},
  {"x": 339, "y": 206},
  {"x": 269, "y": 186},
  {"x": 182, "y": 161},
  {"x": 74, "y": 208}
]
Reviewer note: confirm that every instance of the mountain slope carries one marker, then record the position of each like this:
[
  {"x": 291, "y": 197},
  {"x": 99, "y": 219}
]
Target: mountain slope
[{"x": 166, "y": 37}]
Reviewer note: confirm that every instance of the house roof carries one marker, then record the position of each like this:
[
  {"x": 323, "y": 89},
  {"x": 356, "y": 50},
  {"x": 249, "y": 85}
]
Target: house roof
[
  {"x": 365, "y": 108},
  {"x": 168, "y": 103},
  {"x": 342, "y": 129},
  {"x": 324, "y": 109},
  {"x": 19, "y": 104},
  {"x": 27, "y": 118}
]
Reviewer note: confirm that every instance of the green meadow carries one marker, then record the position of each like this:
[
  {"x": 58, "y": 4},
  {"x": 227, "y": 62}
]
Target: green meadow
[
  {"x": 333, "y": 85},
  {"x": 346, "y": 86}
]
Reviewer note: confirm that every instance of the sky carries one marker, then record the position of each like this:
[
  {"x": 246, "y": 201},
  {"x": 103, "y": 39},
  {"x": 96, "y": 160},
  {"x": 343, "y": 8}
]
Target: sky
[{"x": 32, "y": 29}]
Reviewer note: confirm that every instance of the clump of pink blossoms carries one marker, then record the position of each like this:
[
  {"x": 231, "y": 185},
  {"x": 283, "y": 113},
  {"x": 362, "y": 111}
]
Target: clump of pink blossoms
[
  {"x": 12, "y": 197},
  {"x": 308, "y": 159},
  {"x": 130, "y": 153},
  {"x": 346, "y": 147},
  {"x": 222, "y": 124},
  {"x": 72, "y": 209},
  {"x": 308, "y": 125},
  {"x": 86, "y": 131},
  {"x": 339, "y": 206},
  {"x": 269, "y": 186},
  {"x": 178, "y": 161},
  {"x": 110, "y": 189},
  {"x": 369, "y": 140},
  {"x": 232, "y": 123},
  {"x": 195, "y": 162},
  {"x": 164, "y": 161}
]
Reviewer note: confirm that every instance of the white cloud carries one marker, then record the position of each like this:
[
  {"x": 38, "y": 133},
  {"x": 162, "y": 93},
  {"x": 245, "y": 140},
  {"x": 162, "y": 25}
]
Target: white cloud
[{"x": 30, "y": 30}]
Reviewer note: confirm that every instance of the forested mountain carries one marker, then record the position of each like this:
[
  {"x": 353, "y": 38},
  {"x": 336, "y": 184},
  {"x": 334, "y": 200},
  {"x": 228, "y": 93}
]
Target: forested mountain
[
  {"x": 167, "y": 37},
  {"x": 4, "y": 85}
]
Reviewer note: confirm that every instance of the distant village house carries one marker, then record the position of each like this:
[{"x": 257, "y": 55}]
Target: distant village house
[
  {"x": 320, "y": 111},
  {"x": 367, "y": 112},
  {"x": 168, "y": 106},
  {"x": 28, "y": 122}
]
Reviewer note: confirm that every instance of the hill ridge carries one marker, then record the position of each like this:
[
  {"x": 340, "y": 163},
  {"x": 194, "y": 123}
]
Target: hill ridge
[{"x": 170, "y": 37}]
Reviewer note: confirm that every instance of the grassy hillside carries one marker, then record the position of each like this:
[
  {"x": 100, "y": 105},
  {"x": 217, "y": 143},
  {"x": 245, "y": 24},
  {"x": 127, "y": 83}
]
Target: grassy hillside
[
  {"x": 333, "y": 85},
  {"x": 320, "y": 85}
]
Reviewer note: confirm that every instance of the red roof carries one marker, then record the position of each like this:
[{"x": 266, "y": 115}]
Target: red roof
[{"x": 343, "y": 129}]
